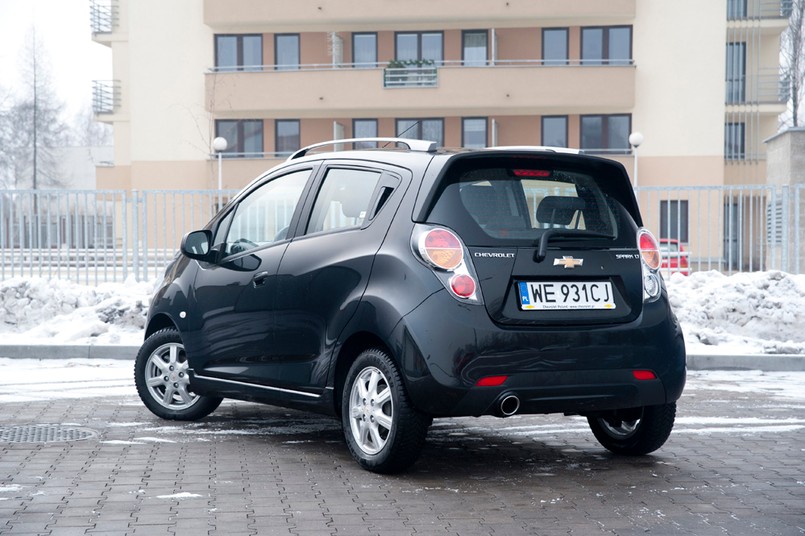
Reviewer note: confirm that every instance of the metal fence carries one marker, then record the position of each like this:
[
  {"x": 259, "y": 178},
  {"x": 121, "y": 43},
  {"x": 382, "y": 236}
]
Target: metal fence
[{"x": 97, "y": 236}]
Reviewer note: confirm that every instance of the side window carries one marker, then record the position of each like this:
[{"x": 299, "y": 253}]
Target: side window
[
  {"x": 343, "y": 199},
  {"x": 263, "y": 217}
]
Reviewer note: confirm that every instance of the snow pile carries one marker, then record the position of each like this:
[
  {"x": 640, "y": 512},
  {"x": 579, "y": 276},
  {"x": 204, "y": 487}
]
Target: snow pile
[
  {"x": 758, "y": 312},
  {"x": 37, "y": 311}
]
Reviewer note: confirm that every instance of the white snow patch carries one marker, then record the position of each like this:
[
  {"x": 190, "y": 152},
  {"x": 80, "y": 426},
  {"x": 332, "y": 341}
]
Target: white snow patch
[
  {"x": 10, "y": 489},
  {"x": 183, "y": 495}
]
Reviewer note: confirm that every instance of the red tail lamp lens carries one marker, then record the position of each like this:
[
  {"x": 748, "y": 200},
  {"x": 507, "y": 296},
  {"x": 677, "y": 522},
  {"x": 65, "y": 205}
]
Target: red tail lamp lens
[
  {"x": 643, "y": 375},
  {"x": 463, "y": 285},
  {"x": 532, "y": 173},
  {"x": 491, "y": 381},
  {"x": 649, "y": 249},
  {"x": 442, "y": 248}
]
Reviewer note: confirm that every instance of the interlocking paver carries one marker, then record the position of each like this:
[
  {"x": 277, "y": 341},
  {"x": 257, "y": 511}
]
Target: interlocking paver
[{"x": 233, "y": 474}]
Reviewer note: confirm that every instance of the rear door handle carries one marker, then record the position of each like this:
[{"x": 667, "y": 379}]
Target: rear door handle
[{"x": 260, "y": 279}]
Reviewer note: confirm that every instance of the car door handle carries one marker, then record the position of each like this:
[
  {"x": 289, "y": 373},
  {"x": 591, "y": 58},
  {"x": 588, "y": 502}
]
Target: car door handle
[{"x": 260, "y": 279}]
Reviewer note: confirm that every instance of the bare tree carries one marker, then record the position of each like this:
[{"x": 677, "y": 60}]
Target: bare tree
[
  {"x": 793, "y": 55},
  {"x": 31, "y": 126}
]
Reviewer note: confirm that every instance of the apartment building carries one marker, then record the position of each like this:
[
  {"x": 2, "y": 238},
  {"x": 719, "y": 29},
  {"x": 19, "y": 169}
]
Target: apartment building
[{"x": 699, "y": 80}]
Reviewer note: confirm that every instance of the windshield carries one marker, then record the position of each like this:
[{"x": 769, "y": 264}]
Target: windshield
[{"x": 512, "y": 201}]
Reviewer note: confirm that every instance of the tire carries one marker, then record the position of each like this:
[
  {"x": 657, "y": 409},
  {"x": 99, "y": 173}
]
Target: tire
[
  {"x": 384, "y": 433},
  {"x": 160, "y": 374},
  {"x": 634, "y": 432}
]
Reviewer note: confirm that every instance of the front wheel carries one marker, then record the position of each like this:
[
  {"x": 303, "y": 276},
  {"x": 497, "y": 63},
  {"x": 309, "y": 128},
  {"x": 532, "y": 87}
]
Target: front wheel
[
  {"x": 384, "y": 433},
  {"x": 160, "y": 374},
  {"x": 636, "y": 431}
]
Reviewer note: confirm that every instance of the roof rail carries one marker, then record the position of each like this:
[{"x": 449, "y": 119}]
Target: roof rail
[
  {"x": 413, "y": 145},
  {"x": 563, "y": 150}
]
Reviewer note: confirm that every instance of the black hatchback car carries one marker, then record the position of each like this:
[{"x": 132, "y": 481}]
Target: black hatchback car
[{"x": 391, "y": 286}]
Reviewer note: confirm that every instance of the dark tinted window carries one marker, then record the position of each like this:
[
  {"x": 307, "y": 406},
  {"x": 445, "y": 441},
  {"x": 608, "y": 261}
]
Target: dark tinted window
[{"x": 509, "y": 201}]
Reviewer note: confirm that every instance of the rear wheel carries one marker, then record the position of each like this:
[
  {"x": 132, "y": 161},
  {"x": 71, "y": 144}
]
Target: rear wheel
[
  {"x": 384, "y": 433},
  {"x": 634, "y": 432},
  {"x": 160, "y": 374}
]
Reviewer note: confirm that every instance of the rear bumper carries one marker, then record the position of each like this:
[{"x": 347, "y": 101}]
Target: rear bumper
[{"x": 573, "y": 369}]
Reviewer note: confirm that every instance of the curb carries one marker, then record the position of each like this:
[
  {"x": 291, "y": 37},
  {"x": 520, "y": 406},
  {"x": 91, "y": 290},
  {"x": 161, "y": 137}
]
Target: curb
[{"x": 763, "y": 362}]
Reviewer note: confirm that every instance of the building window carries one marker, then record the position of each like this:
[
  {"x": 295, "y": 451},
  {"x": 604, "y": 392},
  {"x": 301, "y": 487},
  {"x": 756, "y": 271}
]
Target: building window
[
  {"x": 734, "y": 141},
  {"x": 364, "y": 128},
  {"x": 609, "y": 45},
  {"x": 239, "y": 52},
  {"x": 421, "y": 129},
  {"x": 606, "y": 133},
  {"x": 554, "y": 130},
  {"x": 736, "y": 9},
  {"x": 286, "y": 52},
  {"x": 674, "y": 220},
  {"x": 736, "y": 72},
  {"x": 554, "y": 46},
  {"x": 364, "y": 50},
  {"x": 474, "y": 51},
  {"x": 419, "y": 46},
  {"x": 473, "y": 132},
  {"x": 287, "y": 136},
  {"x": 244, "y": 137}
]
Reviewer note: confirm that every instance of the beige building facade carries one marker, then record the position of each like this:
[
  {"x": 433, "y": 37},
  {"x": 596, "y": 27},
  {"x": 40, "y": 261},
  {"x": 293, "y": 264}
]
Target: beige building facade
[{"x": 272, "y": 76}]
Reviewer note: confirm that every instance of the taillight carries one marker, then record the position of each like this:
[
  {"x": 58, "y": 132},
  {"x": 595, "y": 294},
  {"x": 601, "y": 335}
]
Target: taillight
[
  {"x": 441, "y": 248},
  {"x": 651, "y": 260},
  {"x": 649, "y": 249},
  {"x": 445, "y": 254}
]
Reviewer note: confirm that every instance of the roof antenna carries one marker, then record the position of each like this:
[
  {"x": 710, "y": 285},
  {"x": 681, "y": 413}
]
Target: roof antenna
[{"x": 401, "y": 134}]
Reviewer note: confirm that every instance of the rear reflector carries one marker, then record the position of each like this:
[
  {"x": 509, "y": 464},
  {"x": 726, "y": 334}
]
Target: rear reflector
[
  {"x": 463, "y": 285},
  {"x": 532, "y": 173},
  {"x": 644, "y": 375},
  {"x": 491, "y": 381}
]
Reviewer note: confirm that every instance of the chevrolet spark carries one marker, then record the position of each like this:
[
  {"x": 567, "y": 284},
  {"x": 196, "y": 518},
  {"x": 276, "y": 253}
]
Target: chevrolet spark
[{"x": 391, "y": 286}]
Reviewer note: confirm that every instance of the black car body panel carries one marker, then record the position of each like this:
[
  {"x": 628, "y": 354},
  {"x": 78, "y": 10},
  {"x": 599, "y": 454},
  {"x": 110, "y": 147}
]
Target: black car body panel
[{"x": 280, "y": 322}]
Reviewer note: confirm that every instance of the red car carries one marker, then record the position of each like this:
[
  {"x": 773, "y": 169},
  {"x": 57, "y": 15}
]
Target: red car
[{"x": 674, "y": 257}]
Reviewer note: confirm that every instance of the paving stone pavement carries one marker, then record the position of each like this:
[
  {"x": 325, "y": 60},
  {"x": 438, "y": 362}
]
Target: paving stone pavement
[{"x": 734, "y": 465}]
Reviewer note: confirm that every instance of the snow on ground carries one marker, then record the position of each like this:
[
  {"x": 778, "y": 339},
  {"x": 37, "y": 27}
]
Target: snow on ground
[{"x": 759, "y": 312}]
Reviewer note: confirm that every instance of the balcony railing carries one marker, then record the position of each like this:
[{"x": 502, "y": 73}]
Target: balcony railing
[
  {"x": 410, "y": 77},
  {"x": 768, "y": 87},
  {"x": 758, "y": 9},
  {"x": 105, "y": 96},
  {"x": 102, "y": 15}
]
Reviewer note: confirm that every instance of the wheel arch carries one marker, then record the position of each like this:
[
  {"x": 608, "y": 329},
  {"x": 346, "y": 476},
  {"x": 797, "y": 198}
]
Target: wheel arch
[
  {"x": 347, "y": 354},
  {"x": 158, "y": 322}
]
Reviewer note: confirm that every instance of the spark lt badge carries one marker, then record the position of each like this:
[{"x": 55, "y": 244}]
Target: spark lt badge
[{"x": 568, "y": 262}]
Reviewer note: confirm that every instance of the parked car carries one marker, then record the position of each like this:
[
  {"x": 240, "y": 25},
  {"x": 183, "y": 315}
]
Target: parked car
[
  {"x": 389, "y": 287},
  {"x": 674, "y": 257}
]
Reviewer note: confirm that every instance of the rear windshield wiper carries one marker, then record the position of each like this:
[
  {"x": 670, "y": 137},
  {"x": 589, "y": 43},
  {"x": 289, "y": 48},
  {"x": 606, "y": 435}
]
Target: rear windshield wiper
[{"x": 571, "y": 234}]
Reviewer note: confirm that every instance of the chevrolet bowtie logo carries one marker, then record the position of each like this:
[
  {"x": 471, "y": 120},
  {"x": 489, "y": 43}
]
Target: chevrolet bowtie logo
[{"x": 568, "y": 262}]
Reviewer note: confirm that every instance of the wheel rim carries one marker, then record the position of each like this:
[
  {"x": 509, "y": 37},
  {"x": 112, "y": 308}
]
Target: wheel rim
[
  {"x": 167, "y": 379},
  {"x": 619, "y": 428},
  {"x": 371, "y": 410}
]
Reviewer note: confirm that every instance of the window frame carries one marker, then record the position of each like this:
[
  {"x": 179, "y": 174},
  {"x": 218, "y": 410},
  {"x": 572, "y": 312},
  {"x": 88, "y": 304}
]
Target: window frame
[
  {"x": 366, "y": 145},
  {"x": 464, "y": 34},
  {"x": 419, "y": 123},
  {"x": 464, "y": 131},
  {"x": 277, "y": 123},
  {"x": 676, "y": 214},
  {"x": 419, "y": 45},
  {"x": 239, "y": 62},
  {"x": 542, "y": 130},
  {"x": 287, "y": 66},
  {"x": 369, "y": 65},
  {"x": 238, "y": 148},
  {"x": 605, "y": 41},
  {"x": 735, "y": 82},
  {"x": 739, "y": 136},
  {"x": 607, "y": 149},
  {"x": 566, "y": 60}
]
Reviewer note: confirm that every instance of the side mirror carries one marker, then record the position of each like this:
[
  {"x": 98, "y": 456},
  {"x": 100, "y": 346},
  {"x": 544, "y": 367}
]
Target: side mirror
[{"x": 196, "y": 245}]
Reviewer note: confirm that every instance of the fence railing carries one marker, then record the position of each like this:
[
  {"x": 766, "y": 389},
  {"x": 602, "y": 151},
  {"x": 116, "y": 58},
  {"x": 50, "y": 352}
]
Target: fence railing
[{"x": 96, "y": 236}]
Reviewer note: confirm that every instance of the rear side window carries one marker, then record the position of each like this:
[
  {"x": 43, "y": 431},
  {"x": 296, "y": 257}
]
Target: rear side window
[
  {"x": 343, "y": 201},
  {"x": 510, "y": 201}
]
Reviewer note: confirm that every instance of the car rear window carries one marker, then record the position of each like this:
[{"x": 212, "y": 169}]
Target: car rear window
[{"x": 507, "y": 201}]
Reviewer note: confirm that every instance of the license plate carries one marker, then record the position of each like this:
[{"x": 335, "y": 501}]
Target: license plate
[{"x": 551, "y": 295}]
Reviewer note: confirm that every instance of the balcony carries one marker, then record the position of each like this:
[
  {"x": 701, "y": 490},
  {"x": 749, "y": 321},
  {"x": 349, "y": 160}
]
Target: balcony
[
  {"x": 758, "y": 9},
  {"x": 103, "y": 16},
  {"x": 338, "y": 15},
  {"x": 769, "y": 86},
  {"x": 105, "y": 96},
  {"x": 517, "y": 87}
]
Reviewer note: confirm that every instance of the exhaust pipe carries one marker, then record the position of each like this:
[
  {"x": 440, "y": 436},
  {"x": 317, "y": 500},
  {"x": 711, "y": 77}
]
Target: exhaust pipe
[{"x": 508, "y": 406}]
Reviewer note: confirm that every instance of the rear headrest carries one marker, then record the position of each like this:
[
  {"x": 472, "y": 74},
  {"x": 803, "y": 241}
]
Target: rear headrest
[{"x": 558, "y": 210}]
